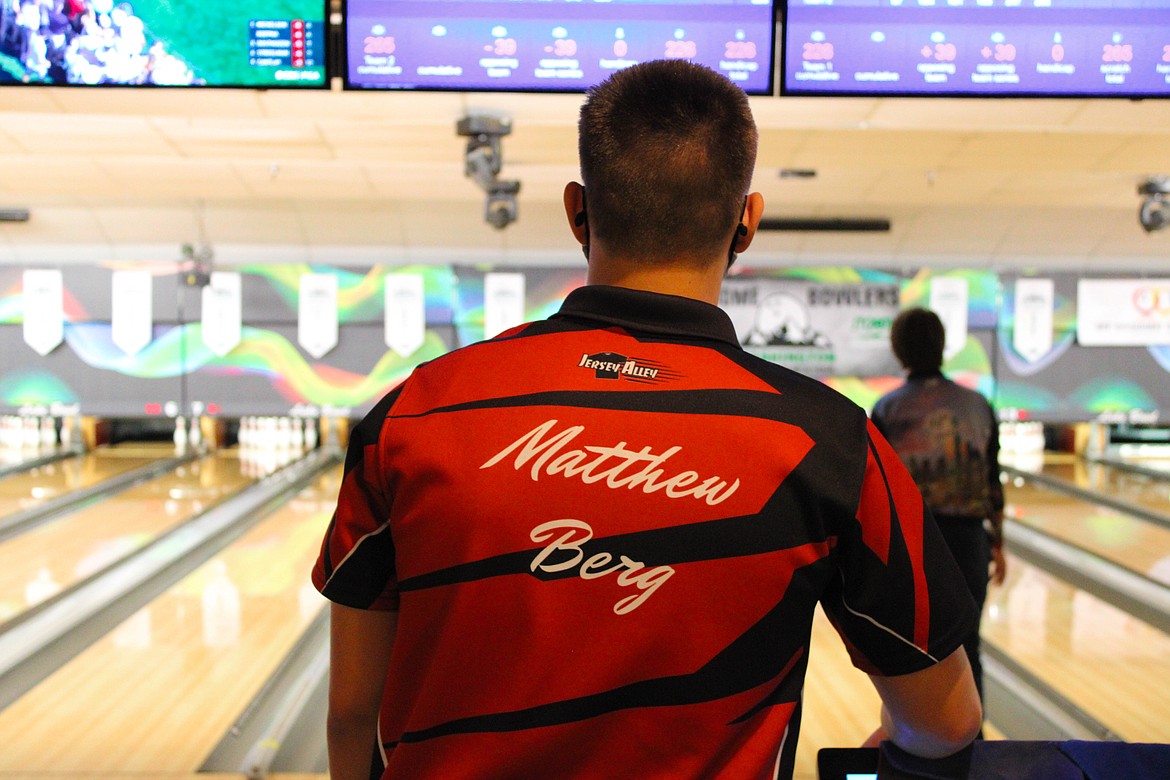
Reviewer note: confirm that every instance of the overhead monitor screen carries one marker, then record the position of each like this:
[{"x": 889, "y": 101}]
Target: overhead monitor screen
[
  {"x": 164, "y": 43},
  {"x": 1051, "y": 48},
  {"x": 549, "y": 45}
]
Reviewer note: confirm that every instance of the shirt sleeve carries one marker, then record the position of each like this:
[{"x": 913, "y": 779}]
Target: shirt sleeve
[
  {"x": 898, "y": 601},
  {"x": 356, "y": 565}
]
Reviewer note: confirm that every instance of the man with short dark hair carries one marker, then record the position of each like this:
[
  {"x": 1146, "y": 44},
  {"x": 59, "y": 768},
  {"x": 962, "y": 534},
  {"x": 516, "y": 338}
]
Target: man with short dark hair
[
  {"x": 948, "y": 437},
  {"x": 593, "y": 546}
]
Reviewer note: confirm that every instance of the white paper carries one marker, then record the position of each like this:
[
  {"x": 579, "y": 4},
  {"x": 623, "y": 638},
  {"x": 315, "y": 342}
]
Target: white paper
[
  {"x": 1032, "y": 333},
  {"x": 1123, "y": 312},
  {"x": 44, "y": 310},
  {"x": 317, "y": 314},
  {"x": 132, "y": 320},
  {"x": 503, "y": 302},
  {"x": 406, "y": 313},
  {"x": 948, "y": 299},
  {"x": 222, "y": 312}
]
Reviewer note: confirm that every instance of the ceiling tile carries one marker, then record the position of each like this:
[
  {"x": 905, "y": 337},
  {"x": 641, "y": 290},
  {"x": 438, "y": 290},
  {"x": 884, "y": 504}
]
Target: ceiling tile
[
  {"x": 301, "y": 180},
  {"x": 92, "y": 135},
  {"x": 267, "y": 139}
]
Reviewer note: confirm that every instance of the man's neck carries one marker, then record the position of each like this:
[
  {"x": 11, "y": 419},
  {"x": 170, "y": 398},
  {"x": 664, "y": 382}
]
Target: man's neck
[{"x": 700, "y": 283}]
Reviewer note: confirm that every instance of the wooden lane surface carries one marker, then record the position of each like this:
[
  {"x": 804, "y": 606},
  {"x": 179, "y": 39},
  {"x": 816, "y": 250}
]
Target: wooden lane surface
[
  {"x": 841, "y": 707},
  {"x": 1110, "y": 664},
  {"x": 156, "y": 694},
  {"x": 1136, "y": 544},
  {"x": 1152, "y": 462},
  {"x": 30, "y": 488},
  {"x": 38, "y": 563},
  {"x": 1143, "y": 490}
]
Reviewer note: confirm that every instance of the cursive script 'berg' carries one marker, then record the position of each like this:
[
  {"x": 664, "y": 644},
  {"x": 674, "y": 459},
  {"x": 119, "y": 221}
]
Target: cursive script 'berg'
[
  {"x": 629, "y": 572},
  {"x": 615, "y": 466}
]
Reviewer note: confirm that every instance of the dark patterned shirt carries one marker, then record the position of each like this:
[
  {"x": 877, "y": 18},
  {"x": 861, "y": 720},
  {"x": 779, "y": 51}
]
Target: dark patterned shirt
[{"x": 948, "y": 437}]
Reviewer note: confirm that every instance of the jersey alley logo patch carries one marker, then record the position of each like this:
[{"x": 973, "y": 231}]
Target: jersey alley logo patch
[{"x": 611, "y": 365}]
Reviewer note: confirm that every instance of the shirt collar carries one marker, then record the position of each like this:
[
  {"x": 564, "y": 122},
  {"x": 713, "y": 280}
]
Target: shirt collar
[{"x": 649, "y": 312}]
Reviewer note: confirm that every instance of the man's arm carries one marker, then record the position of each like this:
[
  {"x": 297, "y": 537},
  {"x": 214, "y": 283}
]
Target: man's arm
[
  {"x": 931, "y": 713},
  {"x": 995, "y": 495},
  {"x": 359, "y": 655}
]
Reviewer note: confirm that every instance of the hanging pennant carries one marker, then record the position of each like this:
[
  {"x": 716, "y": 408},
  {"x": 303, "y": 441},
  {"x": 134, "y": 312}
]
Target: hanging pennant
[
  {"x": 503, "y": 302},
  {"x": 406, "y": 313},
  {"x": 44, "y": 310},
  {"x": 132, "y": 320},
  {"x": 317, "y": 314},
  {"x": 1032, "y": 330},
  {"x": 222, "y": 312},
  {"x": 948, "y": 299}
]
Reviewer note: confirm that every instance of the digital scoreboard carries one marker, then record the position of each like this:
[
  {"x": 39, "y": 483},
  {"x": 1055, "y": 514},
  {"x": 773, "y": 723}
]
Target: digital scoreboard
[
  {"x": 169, "y": 43},
  {"x": 549, "y": 45},
  {"x": 293, "y": 48},
  {"x": 1071, "y": 48}
]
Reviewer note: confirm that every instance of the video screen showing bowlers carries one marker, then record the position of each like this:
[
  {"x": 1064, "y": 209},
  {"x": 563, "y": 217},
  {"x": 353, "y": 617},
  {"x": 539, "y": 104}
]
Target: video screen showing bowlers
[
  {"x": 164, "y": 43},
  {"x": 1038, "y": 48},
  {"x": 549, "y": 45}
]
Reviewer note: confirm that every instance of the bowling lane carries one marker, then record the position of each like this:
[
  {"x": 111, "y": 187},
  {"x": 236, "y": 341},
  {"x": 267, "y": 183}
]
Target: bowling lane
[
  {"x": 1110, "y": 664},
  {"x": 43, "y": 560},
  {"x": 841, "y": 706},
  {"x": 1143, "y": 490},
  {"x": 1131, "y": 542},
  {"x": 30, "y": 488},
  {"x": 157, "y": 693}
]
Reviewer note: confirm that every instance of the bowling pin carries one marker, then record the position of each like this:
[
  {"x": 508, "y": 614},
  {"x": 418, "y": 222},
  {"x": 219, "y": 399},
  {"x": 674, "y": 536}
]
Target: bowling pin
[
  {"x": 195, "y": 434},
  {"x": 311, "y": 433},
  {"x": 298, "y": 434},
  {"x": 32, "y": 434},
  {"x": 48, "y": 433},
  {"x": 180, "y": 436}
]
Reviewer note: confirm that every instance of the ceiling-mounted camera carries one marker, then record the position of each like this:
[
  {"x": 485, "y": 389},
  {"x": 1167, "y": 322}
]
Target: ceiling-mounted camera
[
  {"x": 1154, "y": 213},
  {"x": 482, "y": 162},
  {"x": 501, "y": 207},
  {"x": 197, "y": 262}
]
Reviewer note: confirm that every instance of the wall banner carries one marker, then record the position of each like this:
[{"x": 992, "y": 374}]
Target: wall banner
[
  {"x": 948, "y": 299},
  {"x": 406, "y": 313},
  {"x": 1123, "y": 312},
  {"x": 317, "y": 314},
  {"x": 1032, "y": 329},
  {"x": 815, "y": 328},
  {"x": 131, "y": 310},
  {"x": 43, "y": 292},
  {"x": 222, "y": 312},
  {"x": 503, "y": 302}
]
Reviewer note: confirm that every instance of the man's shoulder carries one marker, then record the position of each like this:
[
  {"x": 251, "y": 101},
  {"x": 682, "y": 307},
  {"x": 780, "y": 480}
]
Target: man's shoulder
[
  {"x": 972, "y": 395},
  {"x": 795, "y": 385}
]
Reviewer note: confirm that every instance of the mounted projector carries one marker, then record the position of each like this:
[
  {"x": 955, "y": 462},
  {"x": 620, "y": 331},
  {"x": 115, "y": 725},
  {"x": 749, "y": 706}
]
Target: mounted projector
[
  {"x": 483, "y": 159},
  {"x": 198, "y": 264},
  {"x": 1154, "y": 213}
]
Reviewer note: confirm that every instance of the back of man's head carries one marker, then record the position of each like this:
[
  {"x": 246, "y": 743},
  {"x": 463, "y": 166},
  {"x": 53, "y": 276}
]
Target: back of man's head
[
  {"x": 918, "y": 337},
  {"x": 667, "y": 151}
]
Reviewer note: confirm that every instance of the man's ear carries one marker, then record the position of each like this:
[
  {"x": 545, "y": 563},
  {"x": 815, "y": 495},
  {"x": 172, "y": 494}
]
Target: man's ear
[
  {"x": 753, "y": 210},
  {"x": 575, "y": 212}
]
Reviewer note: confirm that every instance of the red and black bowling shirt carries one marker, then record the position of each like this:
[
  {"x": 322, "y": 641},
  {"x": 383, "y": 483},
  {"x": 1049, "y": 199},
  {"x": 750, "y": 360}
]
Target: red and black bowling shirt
[{"x": 605, "y": 534}]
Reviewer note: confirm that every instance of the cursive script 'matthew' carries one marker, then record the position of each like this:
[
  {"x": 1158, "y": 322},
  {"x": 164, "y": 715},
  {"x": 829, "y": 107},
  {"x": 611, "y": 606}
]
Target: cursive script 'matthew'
[{"x": 615, "y": 466}]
